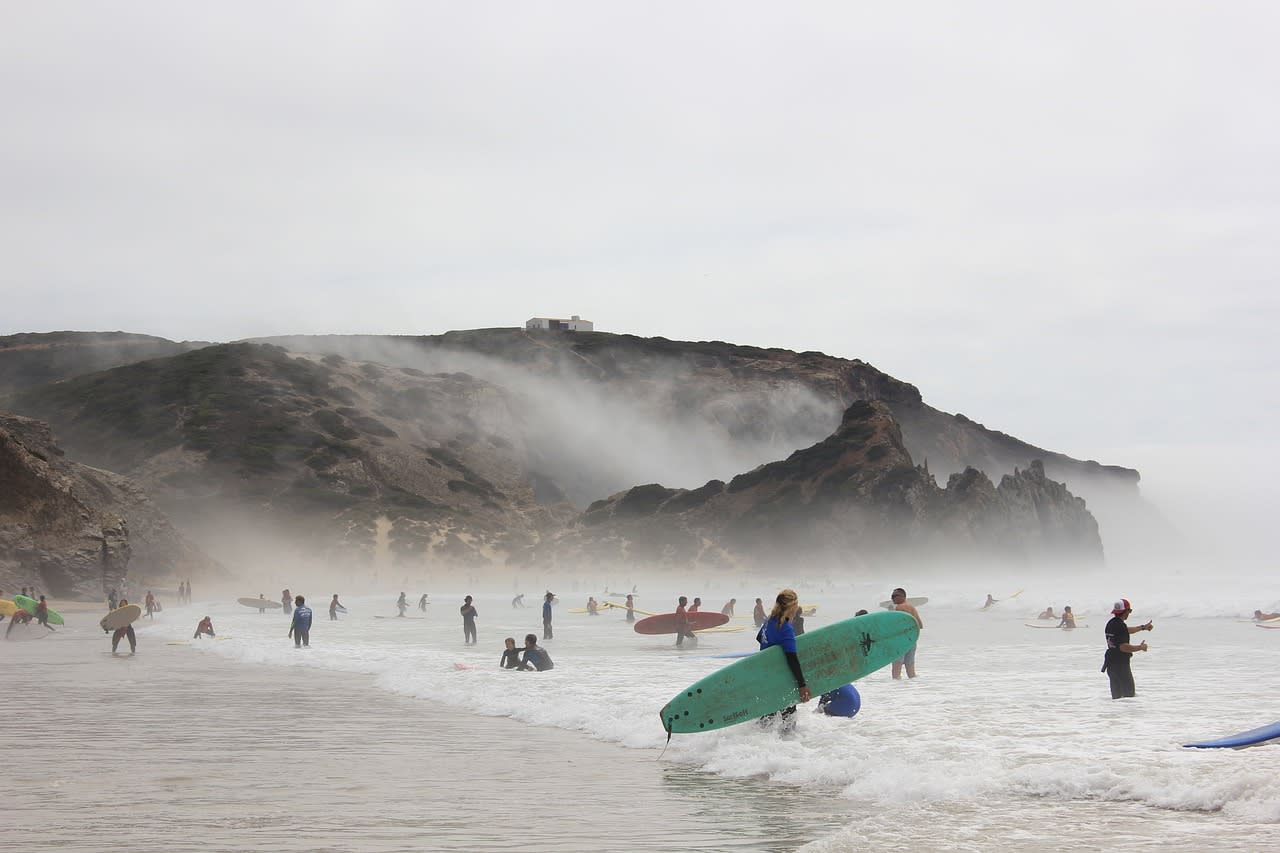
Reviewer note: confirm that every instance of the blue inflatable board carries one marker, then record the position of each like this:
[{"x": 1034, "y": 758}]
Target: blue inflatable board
[{"x": 1253, "y": 737}]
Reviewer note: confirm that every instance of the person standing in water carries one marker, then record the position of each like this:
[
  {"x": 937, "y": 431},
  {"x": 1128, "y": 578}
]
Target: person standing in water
[
  {"x": 631, "y": 608},
  {"x": 333, "y": 608},
  {"x": 42, "y": 614},
  {"x": 908, "y": 660},
  {"x": 727, "y": 610},
  {"x": 149, "y": 604},
  {"x": 401, "y": 604},
  {"x": 757, "y": 615},
  {"x": 468, "y": 611},
  {"x": 122, "y": 633},
  {"x": 547, "y": 633},
  {"x": 518, "y": 601},
  {"x": 1116, "y": 662},
  {"x": 111, "y": 599},
  {"x": 422, "y": 603},
  {"x": 777, "y": 631},
  {"x": 300, "y": 627},
  {"x": 683, "y": 628},
  {"x": 286, "y": 602}
]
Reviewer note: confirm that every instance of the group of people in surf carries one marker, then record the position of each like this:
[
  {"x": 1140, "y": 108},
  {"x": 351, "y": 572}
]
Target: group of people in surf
[{"x": 1066, "y": 620}]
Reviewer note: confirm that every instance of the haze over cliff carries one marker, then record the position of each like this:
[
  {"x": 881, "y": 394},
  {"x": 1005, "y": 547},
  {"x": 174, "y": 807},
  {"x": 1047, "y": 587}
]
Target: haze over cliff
[{"x": 498, "y": 448}]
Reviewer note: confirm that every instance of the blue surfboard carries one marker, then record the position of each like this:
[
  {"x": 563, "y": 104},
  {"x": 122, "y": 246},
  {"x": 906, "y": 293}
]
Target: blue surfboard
[{"x": 1253, "y": 737}]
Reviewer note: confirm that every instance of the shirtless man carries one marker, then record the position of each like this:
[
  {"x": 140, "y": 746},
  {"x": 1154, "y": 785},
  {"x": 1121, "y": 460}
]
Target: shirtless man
[{"x": 908, "y": 660}]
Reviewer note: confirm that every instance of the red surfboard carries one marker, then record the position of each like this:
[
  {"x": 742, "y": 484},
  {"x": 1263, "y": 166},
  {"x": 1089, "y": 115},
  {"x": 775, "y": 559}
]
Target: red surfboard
[{"x": 669, "y": 623}]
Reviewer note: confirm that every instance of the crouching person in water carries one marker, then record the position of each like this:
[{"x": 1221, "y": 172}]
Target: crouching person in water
[
  {"x": 205, "y": 627},
  {"x": 123, "y": 633},
  {"x": 535, "y": 656},
  {"x": 510, "y": 655},
  {"x": 300, "y": 629},
  {"x": 777, "y": 631}
]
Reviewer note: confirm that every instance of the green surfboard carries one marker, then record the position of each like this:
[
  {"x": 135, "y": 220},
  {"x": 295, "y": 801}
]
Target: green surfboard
[
  {"x": 29, "y": 605},
  {"x": 762, "y": 684}
]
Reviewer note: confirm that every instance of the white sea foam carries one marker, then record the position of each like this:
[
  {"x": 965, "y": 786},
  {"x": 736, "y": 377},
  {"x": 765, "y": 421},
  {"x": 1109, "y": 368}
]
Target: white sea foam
[{"x": 1001, "y": 714}]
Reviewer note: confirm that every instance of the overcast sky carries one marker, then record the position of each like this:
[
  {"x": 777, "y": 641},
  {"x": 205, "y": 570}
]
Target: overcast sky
[{"x": 1058, "y": 219}]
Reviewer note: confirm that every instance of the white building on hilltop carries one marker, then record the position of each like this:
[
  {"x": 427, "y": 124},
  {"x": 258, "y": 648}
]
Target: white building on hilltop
[{"x": 573, "y": 324}]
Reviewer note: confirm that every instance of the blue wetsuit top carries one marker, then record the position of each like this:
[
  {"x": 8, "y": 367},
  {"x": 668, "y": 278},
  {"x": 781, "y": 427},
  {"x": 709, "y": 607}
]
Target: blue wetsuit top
[
  {"x": 546, "y": 611},
  {"x": 302, "y": 618},
  {"x": 773, "y": 634},
  {"x": 841, "y": 702},
  {"x": 538, "y": 658}
]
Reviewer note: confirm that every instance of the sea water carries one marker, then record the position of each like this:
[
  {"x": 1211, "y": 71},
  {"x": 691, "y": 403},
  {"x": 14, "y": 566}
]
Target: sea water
[{"x": 1007, "y": 738}]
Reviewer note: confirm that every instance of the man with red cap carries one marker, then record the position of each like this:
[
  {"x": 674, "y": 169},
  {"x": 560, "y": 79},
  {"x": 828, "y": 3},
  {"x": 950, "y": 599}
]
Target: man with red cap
[{"x": 1120, "y": 650}]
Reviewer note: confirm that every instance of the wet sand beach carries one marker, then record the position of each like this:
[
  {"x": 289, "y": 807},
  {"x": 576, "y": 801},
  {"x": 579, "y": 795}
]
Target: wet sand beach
[{"x": 172, "y": 750}]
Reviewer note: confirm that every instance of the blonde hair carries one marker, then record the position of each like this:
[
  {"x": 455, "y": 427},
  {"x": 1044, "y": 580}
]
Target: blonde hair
[{"x": 783, "y": 605}]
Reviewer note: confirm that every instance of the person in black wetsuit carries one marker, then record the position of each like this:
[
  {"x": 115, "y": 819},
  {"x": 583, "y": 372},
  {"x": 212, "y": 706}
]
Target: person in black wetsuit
[
  {"x": 510, "y": 655},
  {"x": 468, "y": 611},
  {"x": 535, "y": 657},
  {"x": 1119, "y": 651}
]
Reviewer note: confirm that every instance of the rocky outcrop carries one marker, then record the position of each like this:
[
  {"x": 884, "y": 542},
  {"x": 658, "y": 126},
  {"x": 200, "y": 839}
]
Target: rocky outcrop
[
  {"x": 72, "y": 530},
  {"x": 851, "y": 500},
  {"x": 37, "y": 358}
]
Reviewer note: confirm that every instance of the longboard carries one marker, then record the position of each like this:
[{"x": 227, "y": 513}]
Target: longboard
[
  {"x": 260, "y": 603},
  {"x": 8, "y": 608},
  {"x": 30, "y": 604},
  {"x": 669, "y": 623},
  {"x": 763, "y": 684},
  {"x": 121, "y": 617},
  {"x": 623, "y": 608},
  {"x": 1253, "y": 737},
  {"x": 914, "y": 602},
  {"x": 1060, "y": 627}
]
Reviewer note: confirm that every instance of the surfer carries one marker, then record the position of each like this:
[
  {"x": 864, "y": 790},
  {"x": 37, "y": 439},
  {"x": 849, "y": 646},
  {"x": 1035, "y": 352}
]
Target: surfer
[
  {"x": 1259, "y": 616},
  {"x": 593, "y": 608},
  {"x": 42, "y": 614},
  {"x": 300, "y": 627},
  {"x": 841, "y": 702},
  {"x": 778, "y": 631},
  {"x": 518, "y": 601},
  {"x": 1047, "y": 613},
  {"x": 682, "y": 627},
  {"x": 727, "y": 610},
  {"x": 990, "y": 601},
  {"x": 757, "y": 615},
  {"x": 510, "y": 655},
  {"x": 286, "y": 602},
  {"x": 1116, "y": 662},
  {"x": 631, "y": 608},
  {"x": 334, "y": 604},
  {"x": 422, "y": 603},
  {"x": 547, "y": 633},
  {"x": 205, "y": 627},
  {"x": 19, "y": 617},
  {"x": 261, "y": 597},
  {"x": 797, "y": 621},
  {"x": 468, "y": 611},
  {"x": 121, "y": 633},
  {"x": 1068, "y": 618},
  {"x": 149, "y": 604},
  {"x": 401, "y": 604},
  {"x": 908, "y": 660},
  {"x": 111, "y": 600},
  {"x": 696, "y": 606},
  {"x": 535, "y": 656}
]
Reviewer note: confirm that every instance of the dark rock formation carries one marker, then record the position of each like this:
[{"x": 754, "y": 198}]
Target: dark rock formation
[
  {"x": 72, "y": 530},
  {"x": 37, "y": 358},
  {"x": 852, "y": 499}
]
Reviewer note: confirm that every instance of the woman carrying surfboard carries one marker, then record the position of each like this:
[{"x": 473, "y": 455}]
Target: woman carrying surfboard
[{"x": 778, "y": 631}]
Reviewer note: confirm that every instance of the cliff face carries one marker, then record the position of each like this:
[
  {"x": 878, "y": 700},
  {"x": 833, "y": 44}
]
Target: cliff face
[
  {"x": 73, "y": 530},
  {"x": 850, "y": 500}
]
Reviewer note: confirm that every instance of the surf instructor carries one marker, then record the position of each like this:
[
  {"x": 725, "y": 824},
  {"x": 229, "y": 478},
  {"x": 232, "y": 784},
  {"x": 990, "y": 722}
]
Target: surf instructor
[
  {"x": 777, "y": 631},
  {"x": 1116, "y": 663}
]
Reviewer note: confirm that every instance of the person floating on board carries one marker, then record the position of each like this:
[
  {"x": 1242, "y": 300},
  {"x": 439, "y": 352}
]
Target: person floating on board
[
  {"x": 631, "y": 608},
  {"x": 757, "y": 615},
  {"x": 547, "y": 633},
  {"x": 510, "y": 655},
  {"x": 468, "y": 611},
  {"x": 1259, "y": 616},
  {"x": 1047, "y": 613},
  {"x": 286, "y": 601},
  {"x": 841, "y": 702},
  {"x": 1116, "y": 662},
  {"x": 777, "y": 631},
  {"x": 422, "y": 603},
  {"x": 1068, "y": 618},
  {"x": 535, "y": 656},
  {"x": 205, "y": 627},
  {"x": 990, "y": 601},
  {"x": 300, "y": 627},
  {"x": 402, "y": 604},
  {"x": 518, "y": 601},
  {"x": 42, "y": 614},
  {"x": 19, "y": 617},
  {"x": 122, "y": 633},
  {"x": 593, "y": 607},
  {"x": 683, "y": 629},
  {"x": 908, "y": 660},
  {"x": 727, "y": 610}
]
